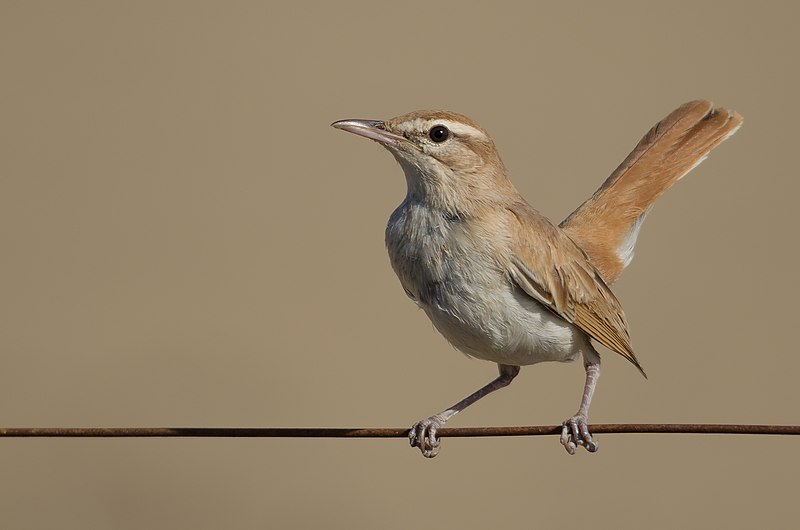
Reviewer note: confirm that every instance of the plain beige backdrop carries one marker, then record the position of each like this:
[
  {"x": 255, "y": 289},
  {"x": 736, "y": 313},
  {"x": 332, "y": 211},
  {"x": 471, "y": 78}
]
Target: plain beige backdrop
[{"x": 186, "y": 242}]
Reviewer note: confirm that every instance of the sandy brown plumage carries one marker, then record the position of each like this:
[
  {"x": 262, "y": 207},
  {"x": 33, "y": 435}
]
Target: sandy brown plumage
[
  {"x": 550, "y": 268},
  {"x": 498, "y": 279}
]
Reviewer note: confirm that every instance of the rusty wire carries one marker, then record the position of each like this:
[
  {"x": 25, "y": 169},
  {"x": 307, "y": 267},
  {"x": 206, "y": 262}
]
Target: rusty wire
[{"x": 455, "y": 432}]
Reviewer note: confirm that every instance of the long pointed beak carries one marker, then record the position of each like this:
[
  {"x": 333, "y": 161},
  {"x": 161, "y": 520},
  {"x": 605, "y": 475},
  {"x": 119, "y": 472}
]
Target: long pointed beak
[{"x": 372, "y": 129}]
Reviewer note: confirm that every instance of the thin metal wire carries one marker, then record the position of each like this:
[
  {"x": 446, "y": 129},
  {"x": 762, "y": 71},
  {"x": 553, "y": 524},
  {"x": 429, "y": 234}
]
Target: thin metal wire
[{"x": 453, "y": 432}]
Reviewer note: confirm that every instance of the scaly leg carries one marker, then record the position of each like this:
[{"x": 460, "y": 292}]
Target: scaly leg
[
  {"x": 575, "y": 430},
  {"x": 423, "y": 433}
]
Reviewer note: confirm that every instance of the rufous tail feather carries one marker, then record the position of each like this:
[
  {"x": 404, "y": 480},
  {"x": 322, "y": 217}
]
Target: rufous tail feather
[{"x": 606, "y": 225}]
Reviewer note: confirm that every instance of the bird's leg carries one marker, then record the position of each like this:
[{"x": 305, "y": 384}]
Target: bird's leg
[
  {"x": 575, "y": 431},
  {"x": 423, "y": 433}
]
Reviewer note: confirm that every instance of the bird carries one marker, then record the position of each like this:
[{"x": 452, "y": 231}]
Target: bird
[{"x": 499, "y": 280}]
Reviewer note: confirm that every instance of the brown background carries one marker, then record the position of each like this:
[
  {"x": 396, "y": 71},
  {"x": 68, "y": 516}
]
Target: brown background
[{"x": 186, "y": 242}]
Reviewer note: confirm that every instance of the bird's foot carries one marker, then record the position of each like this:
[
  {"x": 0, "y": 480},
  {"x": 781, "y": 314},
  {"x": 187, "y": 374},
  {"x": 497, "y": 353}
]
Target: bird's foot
[
  {"x": 575, "y": 432},
  {"x": 423, "y": 435}
]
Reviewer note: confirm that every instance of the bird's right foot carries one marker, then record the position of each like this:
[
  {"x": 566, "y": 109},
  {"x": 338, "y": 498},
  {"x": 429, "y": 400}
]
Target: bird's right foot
[{"x": 423, "y": 435}]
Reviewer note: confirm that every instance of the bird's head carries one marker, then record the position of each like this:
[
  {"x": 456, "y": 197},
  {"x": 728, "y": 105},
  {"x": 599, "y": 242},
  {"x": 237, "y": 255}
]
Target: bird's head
[{"x": 449, "y": 160}]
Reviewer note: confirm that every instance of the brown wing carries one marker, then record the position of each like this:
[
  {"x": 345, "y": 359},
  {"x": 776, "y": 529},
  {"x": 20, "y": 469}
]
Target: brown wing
[
  {"x": 606, "y": 225},
  {"x": 551, "y": 269}
]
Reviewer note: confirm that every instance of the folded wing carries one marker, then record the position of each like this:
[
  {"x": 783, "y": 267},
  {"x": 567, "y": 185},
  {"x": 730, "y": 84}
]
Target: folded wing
[{"x": 552, "y": 270}]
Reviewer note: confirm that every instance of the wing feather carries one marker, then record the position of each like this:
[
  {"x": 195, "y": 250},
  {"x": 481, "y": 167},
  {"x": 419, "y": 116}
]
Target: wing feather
[{"x": 551, "y": 269}]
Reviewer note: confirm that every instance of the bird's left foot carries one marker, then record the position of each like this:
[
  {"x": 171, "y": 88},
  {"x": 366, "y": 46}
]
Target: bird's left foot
[{"x": 575, "y": 432}]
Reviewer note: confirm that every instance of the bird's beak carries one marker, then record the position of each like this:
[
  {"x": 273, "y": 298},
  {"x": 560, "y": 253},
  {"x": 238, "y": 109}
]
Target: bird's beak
[{"x": 372, "y": 129}]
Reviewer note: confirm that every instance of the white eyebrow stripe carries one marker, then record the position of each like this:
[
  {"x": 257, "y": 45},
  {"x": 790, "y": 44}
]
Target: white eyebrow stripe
[{"x": 458, "y": 128}]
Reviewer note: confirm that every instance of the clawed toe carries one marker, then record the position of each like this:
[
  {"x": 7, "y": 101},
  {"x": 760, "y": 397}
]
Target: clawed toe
[
  {"x": 575, "y": 432},
  {"x": 423, "y": 435}
]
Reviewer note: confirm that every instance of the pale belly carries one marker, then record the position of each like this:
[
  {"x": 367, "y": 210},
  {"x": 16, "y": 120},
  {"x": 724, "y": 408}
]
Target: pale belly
[{"x": 509, "y": 328}]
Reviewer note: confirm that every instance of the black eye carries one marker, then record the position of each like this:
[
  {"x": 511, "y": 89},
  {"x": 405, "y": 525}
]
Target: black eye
[{"x": 439, "y": 133}]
